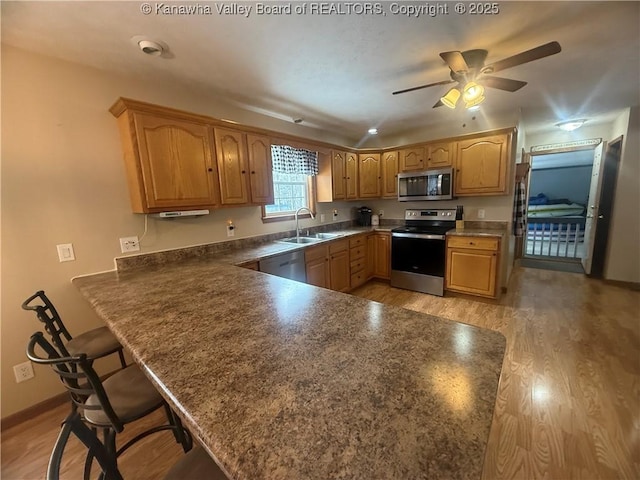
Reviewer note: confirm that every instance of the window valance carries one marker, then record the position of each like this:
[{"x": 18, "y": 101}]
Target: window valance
[{"x": 287, "y": 159}]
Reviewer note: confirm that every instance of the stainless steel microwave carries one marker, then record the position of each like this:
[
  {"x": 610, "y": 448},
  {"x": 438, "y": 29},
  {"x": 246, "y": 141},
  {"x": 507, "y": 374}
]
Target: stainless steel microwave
[{"x": 426, "y": 185}]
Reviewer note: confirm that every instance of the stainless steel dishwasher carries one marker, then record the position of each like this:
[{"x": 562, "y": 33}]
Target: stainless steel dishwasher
[{"x": 287, "y": 265}]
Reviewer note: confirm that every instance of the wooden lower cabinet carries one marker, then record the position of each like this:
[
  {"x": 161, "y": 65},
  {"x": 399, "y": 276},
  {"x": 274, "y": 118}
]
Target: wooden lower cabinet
[
  {"x": 358, "y": 259},
  {"x": 472, "y": 265},
  {"x": 382, "y": 258},
  {"x": 327, "y": 265}
]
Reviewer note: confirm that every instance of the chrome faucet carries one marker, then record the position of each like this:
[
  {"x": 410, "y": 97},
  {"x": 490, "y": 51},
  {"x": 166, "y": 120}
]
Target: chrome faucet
[{"x": 297, "y": 226}]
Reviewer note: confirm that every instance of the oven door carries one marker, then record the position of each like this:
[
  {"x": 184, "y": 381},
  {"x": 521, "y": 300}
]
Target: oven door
[{"x": 418, "y": 253}]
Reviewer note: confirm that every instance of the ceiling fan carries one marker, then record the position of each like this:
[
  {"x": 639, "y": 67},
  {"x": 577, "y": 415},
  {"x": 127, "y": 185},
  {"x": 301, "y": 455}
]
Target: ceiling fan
[{"x": 472, "y": 75}]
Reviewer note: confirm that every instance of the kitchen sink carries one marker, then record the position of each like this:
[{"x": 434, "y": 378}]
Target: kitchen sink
[
  {"x": 324, "y": 236},
  {"x": 315, "y": 237},
  {"x": 299, "y": 240}
]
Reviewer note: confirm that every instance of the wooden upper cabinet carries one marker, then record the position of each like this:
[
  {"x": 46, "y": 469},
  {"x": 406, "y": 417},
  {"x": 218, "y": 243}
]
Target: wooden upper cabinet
[
  {"x": 260, "y": 169},
  {"x": 412, "y": 159},
  {"x": 390, "y": 175},
  {"x": 370, "y": 175},
  {"x": 231, "y": 148},
  {"x": 352, "y": 173},
  {"x": 482, "y": 165},
  {"x": 169, "y": 162},
  {"x": 440, "y": 154},
  {"x": 339, "y": 174}
]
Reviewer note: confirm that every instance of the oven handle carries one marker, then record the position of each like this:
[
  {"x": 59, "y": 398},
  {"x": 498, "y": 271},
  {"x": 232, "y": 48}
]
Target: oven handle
[{"x": 426, "y": 236}]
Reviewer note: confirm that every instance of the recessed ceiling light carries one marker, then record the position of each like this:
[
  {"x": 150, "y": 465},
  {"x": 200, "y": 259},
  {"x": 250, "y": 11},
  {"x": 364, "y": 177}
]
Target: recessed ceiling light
[
  {"x": 153, "y": 48},
  {"x": 571, "y": 125},
  {"x": 373, "y": 131}
]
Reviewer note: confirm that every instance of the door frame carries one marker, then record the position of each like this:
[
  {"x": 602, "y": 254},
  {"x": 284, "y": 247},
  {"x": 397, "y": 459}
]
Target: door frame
[{"x": 536, "y": 150}]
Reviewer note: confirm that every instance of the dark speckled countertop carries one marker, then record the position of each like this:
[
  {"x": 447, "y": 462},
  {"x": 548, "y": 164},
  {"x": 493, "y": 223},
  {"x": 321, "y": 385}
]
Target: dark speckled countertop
[{"x": 283, "y": 380}]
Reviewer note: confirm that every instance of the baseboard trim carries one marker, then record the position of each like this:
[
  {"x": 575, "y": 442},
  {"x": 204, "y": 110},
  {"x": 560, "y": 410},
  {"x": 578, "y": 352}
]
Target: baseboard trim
[
  {"x": 619, "y": 283},
  {"x": 33, "y": 411}
]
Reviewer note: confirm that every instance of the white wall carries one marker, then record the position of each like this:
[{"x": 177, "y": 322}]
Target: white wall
[{"x": 623, "y": 250}]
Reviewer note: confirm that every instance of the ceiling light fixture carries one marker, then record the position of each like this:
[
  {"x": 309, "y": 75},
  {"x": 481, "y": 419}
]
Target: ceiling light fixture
[
  {"x": 373, "y": 131},
  {"x": 472, "y": 92},
  {"x": 451, "y": 98},
  {"x": 571, "y": 125},
  {"x": 151, "y": 48}
]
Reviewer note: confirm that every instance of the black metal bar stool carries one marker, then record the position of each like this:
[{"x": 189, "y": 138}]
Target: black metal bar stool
[
  {"x": 96, "y": 343},
  {"x": 108, "y": 405},
  {"x": 196, "y": 464}
]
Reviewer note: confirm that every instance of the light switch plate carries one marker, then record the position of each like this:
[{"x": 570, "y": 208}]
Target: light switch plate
[{"x": 65, "y": 252}]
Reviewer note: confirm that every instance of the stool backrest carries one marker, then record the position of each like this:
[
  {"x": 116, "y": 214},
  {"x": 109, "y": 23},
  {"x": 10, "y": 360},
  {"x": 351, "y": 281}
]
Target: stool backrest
[
  {"x": 73, "y": 424},
  {"x": 77, "y": 375},
  {"x": 47, "y": 314}
]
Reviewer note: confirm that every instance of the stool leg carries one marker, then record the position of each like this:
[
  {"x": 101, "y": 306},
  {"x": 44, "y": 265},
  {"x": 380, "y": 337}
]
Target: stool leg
[
  {"x": 181, "y": 435},
  {"x": 123, "y": 362}
]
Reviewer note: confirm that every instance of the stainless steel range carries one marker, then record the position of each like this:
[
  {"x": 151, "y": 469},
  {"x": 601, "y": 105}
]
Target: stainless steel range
[{"x": 418, "y": 250}]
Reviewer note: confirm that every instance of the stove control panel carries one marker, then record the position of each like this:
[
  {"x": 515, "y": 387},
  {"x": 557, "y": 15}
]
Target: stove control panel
[{"x": 448, "y": 214}]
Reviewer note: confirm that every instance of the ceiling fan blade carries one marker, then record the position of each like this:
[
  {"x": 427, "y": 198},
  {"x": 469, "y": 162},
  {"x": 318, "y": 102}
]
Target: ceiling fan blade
[
  {"x": 542, "y": 51},
  {"x": 445, "y": 82},
  {"x": 438, "y": 104},
  {"x": 502, "y": 83},
  {"x": 456, "y": 61}
]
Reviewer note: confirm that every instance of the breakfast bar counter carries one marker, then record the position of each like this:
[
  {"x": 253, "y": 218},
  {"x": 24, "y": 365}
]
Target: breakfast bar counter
[{"x": 282, "y": 380}]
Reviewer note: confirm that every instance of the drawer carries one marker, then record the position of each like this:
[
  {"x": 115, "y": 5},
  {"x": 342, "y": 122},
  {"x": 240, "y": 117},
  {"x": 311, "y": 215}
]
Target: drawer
[
  {"x": 313, "y": 253},
  {"x": 358, "y": 279},
  {"x": 479, "y": 243},
  {"x": 358, "y": 252},
  {"x": 338, "y": 246},
  {"x": 358, "y": 241},
  {"x": 358, "y": 265}
]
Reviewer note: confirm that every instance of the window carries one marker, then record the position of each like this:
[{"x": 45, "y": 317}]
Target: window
[{"x": 293, "y": 171}]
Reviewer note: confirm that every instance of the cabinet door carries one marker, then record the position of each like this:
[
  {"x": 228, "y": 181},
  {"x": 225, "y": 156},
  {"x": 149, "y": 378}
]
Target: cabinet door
[
  {"x": 176, "y": 162},
  {"x": 482, "y": 165},
  {"x": 390, "y": 175},
  {"x": 412, "y": 159},
  {"x": 472, "y": 271},
  {"x": 260, "y": 169},
  {"x": 370, "y": 174},
  {"x": 317, "y": 265},
  {"x": 440, "y": 155},
  {"x": 382, "y": 263},
  {"x": 371, "y": 255},
  {"x": 352, "y": 172},
  {"x": 338, "y": 175},
  {"x": 339, "y": 271},
  {"x": 232, "y": 166}
]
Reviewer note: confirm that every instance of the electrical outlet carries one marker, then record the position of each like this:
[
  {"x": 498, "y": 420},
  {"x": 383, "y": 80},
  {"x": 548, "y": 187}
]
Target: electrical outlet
[
  {"x": 23, "y": 371},
  {"x": 335, "y": 214},
  {"x": 129, "y": 244},
  {"x": 481, "y": 213},
  {"x": 381, "y": 213},
  {"x": 322, "y": 218},
  {"x": 231, "y": 229}
]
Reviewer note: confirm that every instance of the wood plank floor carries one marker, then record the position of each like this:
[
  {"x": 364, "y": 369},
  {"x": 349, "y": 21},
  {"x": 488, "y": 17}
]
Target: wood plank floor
[{"x": 568, "y": 402}]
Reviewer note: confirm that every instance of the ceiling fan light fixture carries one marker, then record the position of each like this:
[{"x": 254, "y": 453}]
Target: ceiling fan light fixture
[
  {"x": 571, "y": 125},
  {"x": 451, "y": 98},
  {"x": 472, "y": 91},
  {"x": 475, "y": 103}
]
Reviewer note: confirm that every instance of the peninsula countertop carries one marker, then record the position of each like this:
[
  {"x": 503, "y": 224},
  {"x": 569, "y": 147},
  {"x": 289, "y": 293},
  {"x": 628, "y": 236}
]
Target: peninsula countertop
[{"x": 283, "y": 380}]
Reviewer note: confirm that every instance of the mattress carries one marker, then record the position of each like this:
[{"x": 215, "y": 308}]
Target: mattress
[{"x": 555, "y": 210}]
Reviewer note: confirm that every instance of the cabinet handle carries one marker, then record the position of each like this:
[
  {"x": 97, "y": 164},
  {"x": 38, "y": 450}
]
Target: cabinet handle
[
  {"x": 243, "y": 171},
  {"x": 471, "y": 243},
  {"x": 253, "y": 172},
  {"x": 209, "y": 169}
]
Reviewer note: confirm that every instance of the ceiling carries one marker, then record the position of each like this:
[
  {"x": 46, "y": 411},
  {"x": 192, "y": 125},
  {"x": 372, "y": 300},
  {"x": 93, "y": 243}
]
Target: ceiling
[{"x": 337, "y": 72}]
